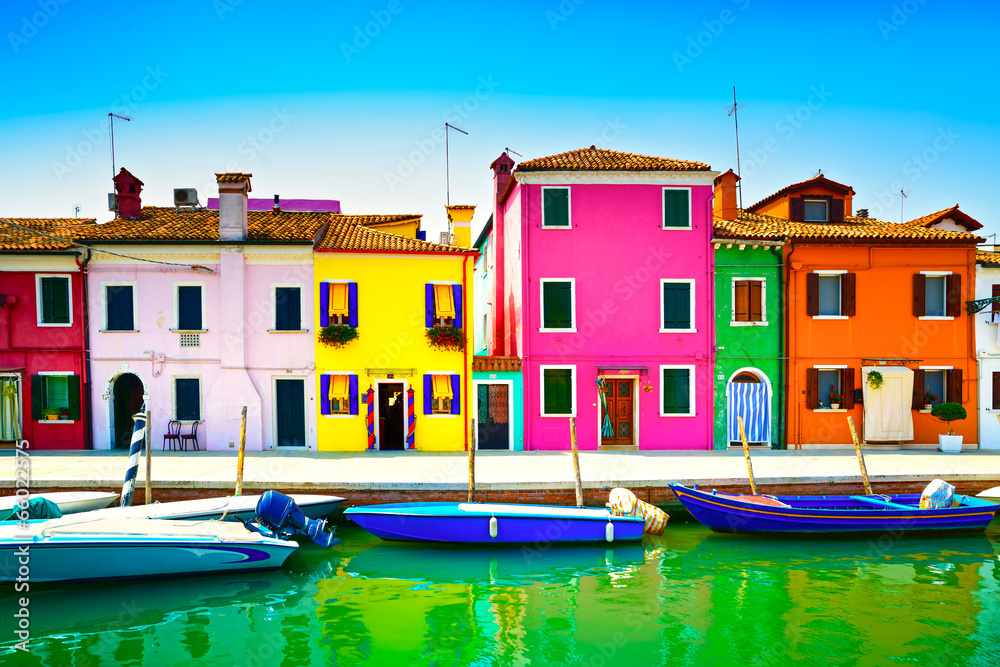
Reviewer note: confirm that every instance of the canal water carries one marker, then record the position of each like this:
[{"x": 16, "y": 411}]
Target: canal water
[{"x": 688, "y": 598}]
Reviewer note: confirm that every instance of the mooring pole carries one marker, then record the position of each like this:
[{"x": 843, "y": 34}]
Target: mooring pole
[
  {"x": 576, "y": 461},
  {"x": 861, "y": 457},
  {"x": 746, "y": 455},
  {"x": 472, "y": 464},
  {"x": 149, "y": 461},
  {"x": 243, "y": 446}
]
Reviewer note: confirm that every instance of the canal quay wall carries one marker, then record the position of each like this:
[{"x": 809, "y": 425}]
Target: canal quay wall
[{"x": 526, "y": 477}]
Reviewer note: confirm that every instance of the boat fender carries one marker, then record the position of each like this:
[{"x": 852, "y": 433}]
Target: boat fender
[
  {"x": 493, "y": 527},
  {"x": 609, "y": 532}
]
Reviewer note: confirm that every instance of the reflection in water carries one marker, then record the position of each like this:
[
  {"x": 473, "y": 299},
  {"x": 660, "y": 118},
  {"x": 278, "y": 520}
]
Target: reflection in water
[{"x": 688, "y": 598}]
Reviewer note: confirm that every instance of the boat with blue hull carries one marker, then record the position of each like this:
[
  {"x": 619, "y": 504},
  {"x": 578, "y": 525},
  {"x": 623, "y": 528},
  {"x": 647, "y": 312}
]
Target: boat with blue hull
[
  {"x": 495, "y": 523},
  {"x": 842, "y": 515}
]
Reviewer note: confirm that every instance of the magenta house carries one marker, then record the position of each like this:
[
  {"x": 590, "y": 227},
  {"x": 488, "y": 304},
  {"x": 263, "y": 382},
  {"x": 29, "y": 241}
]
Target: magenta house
[{"x": 604, "y": 289}]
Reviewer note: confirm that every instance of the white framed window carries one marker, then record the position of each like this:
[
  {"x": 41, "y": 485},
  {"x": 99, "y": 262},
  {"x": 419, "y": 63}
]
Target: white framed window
[
  {"x": 286, "y": 306},
  {"x": 677, "y": 391},
  {"x": 556, "y": 208},
  {"x": 189, "y": 306},
  {"x": 557, "y": 297},
  {"x": 830, "y": 387},
  {"x": 119, "y": 303},
  {"x": 54, "y": 300},
  {"x": 677, "y": 305},
  {"x": 815, "y": 210},
  {"x": 557, "y": 394},
  {"x": 749, "y": 299},
  {"x": 55, "y": 397},
  {"x": 676, "y": 208}
]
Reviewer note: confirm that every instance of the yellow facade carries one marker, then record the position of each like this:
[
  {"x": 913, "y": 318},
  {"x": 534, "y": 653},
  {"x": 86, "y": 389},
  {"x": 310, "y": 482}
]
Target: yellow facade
[{"x": 392, "y": 348}]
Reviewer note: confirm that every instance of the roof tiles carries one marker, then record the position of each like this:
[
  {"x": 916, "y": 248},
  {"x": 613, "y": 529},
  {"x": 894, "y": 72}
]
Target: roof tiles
[
  {"x": 351, "y": 232},
  {"x": 602, "y": 159},
  {"x": 751, "y": 226},
  {"x": 19, "y": 234}
]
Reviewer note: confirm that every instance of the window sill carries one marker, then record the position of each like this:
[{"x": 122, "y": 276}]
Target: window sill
[
  {"x": 935, "y": 317},
  {"x": 830, "y": 317},
  {"x": 678, "y": 414},
  {"x": 679, "y": 229},
  {"x": 56, "y": 421},
  {"x": 830, "y": 410},
  {"x": 448, "y": 416},
  {"x": 543, "y": 330},
  {"x": 557, "y": 226},
  {"x": 52, "y": 324},
  {"x": 288, "y": 331},
  {"x": 748, "y": 324},
  {"x": 560, "y": 416},
  {"x": 339, "y": 416},
  {"x": 188, "y": 331},
  {"x": 678, "y": 331},
  {"x": 119, "y": 331}
]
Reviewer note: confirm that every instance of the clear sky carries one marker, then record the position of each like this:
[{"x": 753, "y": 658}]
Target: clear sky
[{"x": 346, "y": 100}]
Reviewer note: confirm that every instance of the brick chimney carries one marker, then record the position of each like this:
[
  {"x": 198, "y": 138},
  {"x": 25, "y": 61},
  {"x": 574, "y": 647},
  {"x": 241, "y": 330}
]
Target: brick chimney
[
  {"x": 726, "y": 206},
  {"x": 502, "y": 168},
  {"x": 233, "y": 190},
  {"x": 460, "y": 218},
  {"x": 128, "y": 189}
]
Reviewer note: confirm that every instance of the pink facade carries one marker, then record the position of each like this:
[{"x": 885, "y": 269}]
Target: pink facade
[{"x": 618, "y": 259}]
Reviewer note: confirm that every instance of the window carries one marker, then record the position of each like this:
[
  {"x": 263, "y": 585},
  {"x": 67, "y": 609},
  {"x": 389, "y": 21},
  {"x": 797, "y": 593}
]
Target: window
[
  {"x": 935, "y": 382},
  {"x": 187, "y": 399},
  {"x": 815, "y": 210},
  {"x": 338, "y": 303},
  {"x": 442, "y": 392},
  {"x": 486, "y": 332},
  {"x": 748, "y": 301},
  {"x": 937, "y": 294},
  {"x": 996, "y": 390},
  {"x": 826, "y": 386},
  {"x": 558, "y": 397},
  {"x": 287, "y": 309},
  {"x": 555, "y": 208},
  {"x": 676, "y": 305},
  {"x": 558, "y": 304},
  {"x": 944, "y": 383},
  {"x": 442, "y": 304},
  {"x": 189, "y": 308},
  {"x": 54, "y": 306},
  {"x": 119, "y": 304},
  {"x": 55, "y": 396},
  {"x": 830, "y": 294},
  {"x": 934, "y": 296},
  {"x": 338, "y": 394},
  {"x": 677, "y": 391},
  {"x": 676, "y": 208}
]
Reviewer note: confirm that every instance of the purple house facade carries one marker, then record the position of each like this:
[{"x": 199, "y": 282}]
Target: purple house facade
[{"x": 604, "y": 288}]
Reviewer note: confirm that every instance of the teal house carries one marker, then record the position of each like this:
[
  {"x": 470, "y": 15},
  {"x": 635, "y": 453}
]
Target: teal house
[{"x": 750, "y": 320}]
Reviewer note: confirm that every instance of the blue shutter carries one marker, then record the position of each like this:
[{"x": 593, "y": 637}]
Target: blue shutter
[
  {"x": 428, "y": 306},
  {"x": 324, "y": 394},
  {"x": 456, "y": 291},
  {"x": 324, "y": 304},
  {"x": 353, "y": 387},
  {"x": 456, "y": 394},
  {"x": 352, "y": 306},
  {"x": 427, "y": 394}
]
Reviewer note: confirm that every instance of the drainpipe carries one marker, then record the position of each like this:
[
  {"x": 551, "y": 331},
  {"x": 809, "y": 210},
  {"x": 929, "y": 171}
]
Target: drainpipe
[
  {"x": 525, "y": 349},
  {"x": 783, "y": 398},
  {"x": 710, "y": 343},
  {"x": 86, "y": 407},
  {"x": 786, "y": 341}
]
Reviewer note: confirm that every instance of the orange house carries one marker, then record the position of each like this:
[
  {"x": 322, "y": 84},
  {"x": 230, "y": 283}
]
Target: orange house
[{"x": 876, "y": 326}]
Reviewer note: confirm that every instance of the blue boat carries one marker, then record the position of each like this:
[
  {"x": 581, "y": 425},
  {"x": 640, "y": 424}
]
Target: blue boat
[
  {"x": 495, "y": 523},
  {"x": 895, "y": 514}
]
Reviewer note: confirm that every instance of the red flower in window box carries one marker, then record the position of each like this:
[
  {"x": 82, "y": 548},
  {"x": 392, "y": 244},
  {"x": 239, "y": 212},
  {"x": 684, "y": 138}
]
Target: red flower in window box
[{"x": 446, "y": 337}]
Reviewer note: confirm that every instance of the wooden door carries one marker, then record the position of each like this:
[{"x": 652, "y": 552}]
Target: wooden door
[
  {"x": 291, "y": 412},
  {"x": 618, "y": 395}
]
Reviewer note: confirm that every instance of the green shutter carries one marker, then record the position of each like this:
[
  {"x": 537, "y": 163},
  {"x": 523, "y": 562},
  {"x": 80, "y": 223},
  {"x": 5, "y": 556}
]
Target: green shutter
[
  {"x": 557, "y": 389},
  {"x": 676, "y": 305},
  {"x": 37, "y": 396},
  {"x": 676, "y": 207},
  {"x": 555, "y": 202},
  {"x": 557, "y": 305},
  {"x": 55, "y": 300},
  {"x": 73, "y": 383}
]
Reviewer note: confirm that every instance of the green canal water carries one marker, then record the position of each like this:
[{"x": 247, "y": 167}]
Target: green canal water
[{"x": 689, "y": 598}]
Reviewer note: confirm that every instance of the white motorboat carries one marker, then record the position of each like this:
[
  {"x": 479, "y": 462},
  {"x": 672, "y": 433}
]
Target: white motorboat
[
  {"x": 69, "y": 502},
  {"x": 992, "y": 495},
  {"x": 229, "y": 508}
]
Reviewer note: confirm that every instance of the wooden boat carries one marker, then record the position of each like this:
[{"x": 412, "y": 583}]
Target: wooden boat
[
  {"x": 69, "y": 502},
  {"x": 495, "y": 523},
  {"x": 229, "y": 508},
  {"x": 832, "y": 514}
]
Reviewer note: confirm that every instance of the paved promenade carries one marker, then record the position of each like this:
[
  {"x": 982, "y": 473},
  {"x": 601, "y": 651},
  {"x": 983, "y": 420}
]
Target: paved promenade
[{"x": 545, "y": 477}]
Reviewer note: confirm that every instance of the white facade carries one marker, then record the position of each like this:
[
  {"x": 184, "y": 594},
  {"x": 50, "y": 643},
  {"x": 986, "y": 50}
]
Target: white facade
[{"x": 988, "y": 356}]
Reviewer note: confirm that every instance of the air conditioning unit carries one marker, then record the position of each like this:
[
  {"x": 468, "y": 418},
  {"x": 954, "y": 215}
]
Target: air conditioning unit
[
  {"x": 185, "y": 197},
  {"x": 112, "y": 201},
  {"x": 445, "y": 238}
]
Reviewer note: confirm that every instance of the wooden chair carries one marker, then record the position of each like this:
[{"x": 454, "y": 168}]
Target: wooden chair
[
  {"x": 173, "y": 434},
  {"x": 191, "y": 437}
]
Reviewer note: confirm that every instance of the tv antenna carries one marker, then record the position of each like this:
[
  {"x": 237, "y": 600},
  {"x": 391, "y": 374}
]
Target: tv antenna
[
  {"x": 111, "y": 131},
  {"x": 511, "y": 150},
  {"x": 732, "y": 112},
  {"x": 76, "y": 211},
  {"x": 447, "y": 167},
  {"x": 902, "y": 196}
]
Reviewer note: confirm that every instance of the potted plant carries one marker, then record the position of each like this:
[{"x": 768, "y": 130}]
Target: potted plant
[
  {"x": 51, "y": 413},
  {"x": 949, "y": 412},
  {"x": 930, "y": 398},
  {"x": 446, "y": 337},
  {"x": 835, "y": 399},
  {"x": 337, "y": 335},
  {"x": 875, "y": 380}
]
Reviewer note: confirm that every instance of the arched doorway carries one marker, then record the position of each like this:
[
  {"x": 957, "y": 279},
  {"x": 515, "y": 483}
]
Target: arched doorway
[
  {"x": 126, "y": 401},
  {"x": 748, "y": 396}
]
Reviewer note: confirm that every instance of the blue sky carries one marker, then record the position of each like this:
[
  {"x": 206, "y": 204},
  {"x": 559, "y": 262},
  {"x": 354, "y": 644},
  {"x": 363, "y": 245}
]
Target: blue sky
[{"x": 346, "y": 100}]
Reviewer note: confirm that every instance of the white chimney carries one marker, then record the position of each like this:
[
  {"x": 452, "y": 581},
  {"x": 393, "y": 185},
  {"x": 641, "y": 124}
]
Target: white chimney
[{"x": 233, "y": 190}]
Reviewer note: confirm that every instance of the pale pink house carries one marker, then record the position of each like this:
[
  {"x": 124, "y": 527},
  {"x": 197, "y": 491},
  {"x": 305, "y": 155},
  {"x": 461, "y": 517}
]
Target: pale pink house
[{"x": 604, "y": 289}]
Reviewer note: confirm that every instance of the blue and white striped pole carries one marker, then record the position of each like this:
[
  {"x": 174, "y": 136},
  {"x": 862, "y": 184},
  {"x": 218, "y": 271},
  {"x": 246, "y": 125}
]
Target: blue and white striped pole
[{"x": 138, "y": 439}]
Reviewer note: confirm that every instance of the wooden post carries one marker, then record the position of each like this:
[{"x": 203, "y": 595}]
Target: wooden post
[
  {"x": 149, "y": 461},
  {"x": 472, "y": 464},
  {"x": 576, "y": 462},
  {"x": 861, "y": 457},
  {"x": 746, "y": 455},
  {"x": 243, "y": 446}
]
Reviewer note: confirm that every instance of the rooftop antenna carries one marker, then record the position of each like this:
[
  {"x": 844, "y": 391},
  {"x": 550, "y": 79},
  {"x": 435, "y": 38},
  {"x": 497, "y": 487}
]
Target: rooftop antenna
[
  {"x": 732, "y": 112},
  {"x": 111, "y": 131},
  {"x": 902, "y": 196},
  {"x": 511, "y": 150},
  {"x": 76, "y": 211},
  {"x": 447, "y": 167}
]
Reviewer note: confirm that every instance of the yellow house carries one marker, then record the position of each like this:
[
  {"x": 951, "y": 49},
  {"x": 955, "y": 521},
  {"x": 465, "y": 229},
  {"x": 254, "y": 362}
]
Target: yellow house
[{"x": 390, "y": 387}]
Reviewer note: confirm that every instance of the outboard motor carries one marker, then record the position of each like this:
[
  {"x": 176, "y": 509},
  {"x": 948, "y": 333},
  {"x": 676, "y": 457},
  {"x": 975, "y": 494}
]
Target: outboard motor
[{"x": 279, "y": 513}]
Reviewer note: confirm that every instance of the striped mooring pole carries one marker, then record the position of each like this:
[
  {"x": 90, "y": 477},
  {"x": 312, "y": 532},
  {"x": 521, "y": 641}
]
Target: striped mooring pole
[
  {"x": 138, "y": 439},
  {"x": 411, "y": 420},
  {"x": 370, "y": 417}
]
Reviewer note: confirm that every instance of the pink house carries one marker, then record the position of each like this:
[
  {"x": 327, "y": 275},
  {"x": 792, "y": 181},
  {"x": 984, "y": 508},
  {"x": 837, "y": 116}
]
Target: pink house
[{"x": 604, "y": 289}]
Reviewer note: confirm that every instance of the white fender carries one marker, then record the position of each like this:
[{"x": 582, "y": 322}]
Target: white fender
[
  {"x": 493, "y": 527},
  {"x": 609, "y": 532}
]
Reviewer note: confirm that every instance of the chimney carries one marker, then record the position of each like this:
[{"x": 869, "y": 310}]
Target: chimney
[
  {"x": 277, "y": 204},
  {"x": 233, "y": 189},
  {"x": 128, "y": 189},
  {"x": 726, "y": 207},
  {"x": 862, "y": 213},
  {"x": 460, "y": 219},
  {"x": 502, "y": 168}
]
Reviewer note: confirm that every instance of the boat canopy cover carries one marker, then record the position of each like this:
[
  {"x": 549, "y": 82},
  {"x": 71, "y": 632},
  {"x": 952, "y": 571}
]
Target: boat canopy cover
[{"x": 38, "y": 508}]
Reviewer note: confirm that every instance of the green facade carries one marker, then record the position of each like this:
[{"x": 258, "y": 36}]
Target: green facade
[{"x": 755, "y": 347}]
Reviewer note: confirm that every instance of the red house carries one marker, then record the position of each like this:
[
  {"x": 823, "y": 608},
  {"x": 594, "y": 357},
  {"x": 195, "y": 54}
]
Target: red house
[{"x": 43, "y": 369}]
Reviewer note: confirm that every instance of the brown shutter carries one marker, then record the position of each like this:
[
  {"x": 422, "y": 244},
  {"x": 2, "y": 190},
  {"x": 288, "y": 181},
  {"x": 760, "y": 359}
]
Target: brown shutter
[
  {"x": 796, "y": 209},
  {"x": 742, "y": 306},
  {"x": 756, "y": 311},
  {"x": 848, "y": 287},
  {"x": 812, "y": 294},
  {"x": 954, "y": 284},
  {"x": 955, "y": 385},
  {"x": 918, "y": 390},
  {"x": 837, "y": 210},
  {"x": 847, "y": 384},
  {"x": 919, "y": 302},
  {"x": 812, "y": 388},
  {"x": 996, "y": 390}
]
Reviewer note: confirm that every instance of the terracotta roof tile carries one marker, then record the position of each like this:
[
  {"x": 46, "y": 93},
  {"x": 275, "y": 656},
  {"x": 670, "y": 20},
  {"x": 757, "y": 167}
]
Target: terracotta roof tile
[
  {"x": 496, "y": 364},
  {"x": 379, "y": 220},
  {"x": 967, "y": 221},
  {"x": 351, "y": 232},
  {"x": 231, "y": 177},
  {"x": 602, "y": 159},
  {"x": 816, "y": 181},
  {"x": 37, "y": 233},
  {"x": 751, "y": 226},
  {"x": 988, "y": 258}
]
